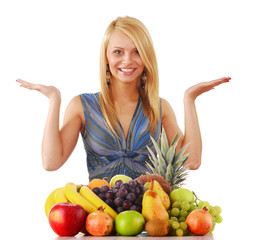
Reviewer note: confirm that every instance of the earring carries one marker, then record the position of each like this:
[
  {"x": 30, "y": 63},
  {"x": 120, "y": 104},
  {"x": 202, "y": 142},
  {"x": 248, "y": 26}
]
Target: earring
[
  {"x": 108, "y": 77},
  {"x": 144, "y": 78}
]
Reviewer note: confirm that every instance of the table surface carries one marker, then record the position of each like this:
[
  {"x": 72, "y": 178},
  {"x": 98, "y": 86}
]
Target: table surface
[{"x": 139, "y": 237}]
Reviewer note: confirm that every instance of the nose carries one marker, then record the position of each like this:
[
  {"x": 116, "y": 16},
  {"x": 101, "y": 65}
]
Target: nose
[{"x": 126, "y": 58}]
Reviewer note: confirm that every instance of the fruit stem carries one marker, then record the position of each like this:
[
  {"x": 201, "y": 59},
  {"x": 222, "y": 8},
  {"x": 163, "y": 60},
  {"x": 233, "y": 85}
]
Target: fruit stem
[
  {"x": 196, "y": 197},
  {"x": 205, "y": 209},
  {"x": 100, "y": 208}
]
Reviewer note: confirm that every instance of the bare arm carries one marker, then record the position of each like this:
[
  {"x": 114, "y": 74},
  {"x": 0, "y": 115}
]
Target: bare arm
[
  {"x": 192, "y": 133},
  {"x": 57, "y": 145}
]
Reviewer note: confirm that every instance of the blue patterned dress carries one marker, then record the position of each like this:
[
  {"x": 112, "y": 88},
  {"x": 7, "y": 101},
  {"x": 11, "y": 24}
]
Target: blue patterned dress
[{"x": 108, "y": 155}]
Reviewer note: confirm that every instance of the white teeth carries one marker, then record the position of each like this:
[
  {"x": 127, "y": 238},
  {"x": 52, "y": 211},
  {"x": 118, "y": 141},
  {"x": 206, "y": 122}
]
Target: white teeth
[{"x": 127, "y": 70}]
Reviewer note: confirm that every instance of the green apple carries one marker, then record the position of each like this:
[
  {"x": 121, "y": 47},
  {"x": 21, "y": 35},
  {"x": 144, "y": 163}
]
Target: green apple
[
  {"x": 122, "y": 177},
  {"x": 181, "y": 195},
  {"x": 129, "y": 223}
]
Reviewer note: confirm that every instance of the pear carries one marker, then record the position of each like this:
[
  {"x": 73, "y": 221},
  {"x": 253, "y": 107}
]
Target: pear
[
  {"x": 152, "y": 206},
  {"x": 155, "y": 185}
]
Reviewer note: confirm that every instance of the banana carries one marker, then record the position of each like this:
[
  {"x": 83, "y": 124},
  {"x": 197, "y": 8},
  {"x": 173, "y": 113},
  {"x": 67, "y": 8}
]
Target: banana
[
  {"x": 71, "y": 191},
  {"x": 50, "y": 201},
  {"x": 89, "y": 195},
  {"x": 60, "y": 196}
]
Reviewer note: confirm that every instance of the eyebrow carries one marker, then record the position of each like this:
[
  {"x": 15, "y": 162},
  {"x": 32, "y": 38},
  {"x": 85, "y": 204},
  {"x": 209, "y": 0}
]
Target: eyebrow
[{"x": 123, "y": 48}]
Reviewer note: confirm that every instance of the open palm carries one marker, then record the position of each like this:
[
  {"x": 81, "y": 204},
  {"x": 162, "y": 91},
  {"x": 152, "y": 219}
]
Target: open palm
[
  {"x": 196, "y": 90},
  {"x": 48, "y": 91}
]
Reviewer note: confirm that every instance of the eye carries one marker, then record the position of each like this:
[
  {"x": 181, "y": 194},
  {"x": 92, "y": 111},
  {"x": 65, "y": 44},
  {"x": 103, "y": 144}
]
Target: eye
[
  {"x": 117, "y": 52},
  {"x": 136, "y": 52}
]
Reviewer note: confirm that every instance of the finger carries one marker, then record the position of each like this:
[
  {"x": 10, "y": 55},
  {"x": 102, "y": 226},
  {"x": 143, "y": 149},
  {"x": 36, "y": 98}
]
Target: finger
[
  {"x": 27, "y": 85},
  {"x": 224, "y": 80},
  {"x": 219, "y": 81},
  {"x": 22, "y": 82}
]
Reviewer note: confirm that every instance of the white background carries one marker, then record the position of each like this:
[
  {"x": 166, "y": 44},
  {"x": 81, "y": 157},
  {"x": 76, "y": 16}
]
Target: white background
[{"x": 57, "y": 43}]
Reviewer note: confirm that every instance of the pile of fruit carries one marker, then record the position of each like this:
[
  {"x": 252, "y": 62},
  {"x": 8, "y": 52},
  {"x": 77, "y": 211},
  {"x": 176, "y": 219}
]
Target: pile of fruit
[
  {"x": 78, "y": 208},
  {"x": 156, "y": 202}
]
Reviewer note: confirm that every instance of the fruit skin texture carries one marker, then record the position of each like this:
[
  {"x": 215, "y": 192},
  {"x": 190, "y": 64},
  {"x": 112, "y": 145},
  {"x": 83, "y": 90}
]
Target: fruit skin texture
[
  {"x": 97, "y": 183},
  {"x": 71, "y": 191},
  {"x": 199, "y": 221},
  {"x": 66, "y": 219},
  {"x": 99, "y": 223},
  {"x": 122, "y": 177},
  {"x": 152, "y": 206},
  {"x": 154, "y": 185},
  {"x": 60, "y": 196},
  {"x": 50, "y": 201},
  {"x": 89, "y": 195},
  {"x": 129, "y": 223},
  {"x": 157, "y": 227},
  {"x": 149, "y": 177},
  {"x": 181, "y": 195}
]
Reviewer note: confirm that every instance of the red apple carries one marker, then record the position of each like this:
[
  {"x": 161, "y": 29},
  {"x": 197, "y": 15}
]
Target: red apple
[{"x": 67, "y": 219}]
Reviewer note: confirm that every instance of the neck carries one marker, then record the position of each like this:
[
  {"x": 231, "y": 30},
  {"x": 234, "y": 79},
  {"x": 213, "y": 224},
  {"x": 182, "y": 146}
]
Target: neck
[{"x": 123, "y": 92}]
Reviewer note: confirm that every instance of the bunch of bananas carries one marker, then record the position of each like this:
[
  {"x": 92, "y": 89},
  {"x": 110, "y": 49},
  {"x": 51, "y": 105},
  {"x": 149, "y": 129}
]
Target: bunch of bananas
[{"x": 78, "y": 194}]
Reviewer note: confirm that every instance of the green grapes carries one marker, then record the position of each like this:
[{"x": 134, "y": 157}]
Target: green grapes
[
  {"x": 175, "y": 225},
  {"x": 180, "y": 211},
  {"x": 176, "y": 205},
  {"x": 218, "y": 209},
  {"x": 184, "y": 213},
  {"x": 212, "y": 211},
  {"x": 183, "y": 225},
  {"x": 185, "y": 206},
  {"x": 179, "y": 232},
  {"x": 218, "y": 218},
  {"x": 175, "y": 212},
  {"x": 181, "y": 219}
]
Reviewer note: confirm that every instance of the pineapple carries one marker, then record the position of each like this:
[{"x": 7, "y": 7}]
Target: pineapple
[{"x": 167, "y": 163}]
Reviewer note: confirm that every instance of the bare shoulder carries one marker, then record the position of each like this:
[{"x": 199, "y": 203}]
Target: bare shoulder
[
  {"x": 75, "y": 108},
  {"x": 167, "y": 110},
  {"x": 169, "y": 121}
]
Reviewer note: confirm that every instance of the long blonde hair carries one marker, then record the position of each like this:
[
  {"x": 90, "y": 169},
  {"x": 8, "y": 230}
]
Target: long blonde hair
[{"x": 139, "y": 34}]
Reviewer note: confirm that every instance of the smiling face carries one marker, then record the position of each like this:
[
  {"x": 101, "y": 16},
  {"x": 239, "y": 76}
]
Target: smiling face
[{"x": 124, "y": 61}]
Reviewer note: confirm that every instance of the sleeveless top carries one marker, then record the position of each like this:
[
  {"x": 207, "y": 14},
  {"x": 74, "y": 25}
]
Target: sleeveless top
[{"x": 107, "y": 154}]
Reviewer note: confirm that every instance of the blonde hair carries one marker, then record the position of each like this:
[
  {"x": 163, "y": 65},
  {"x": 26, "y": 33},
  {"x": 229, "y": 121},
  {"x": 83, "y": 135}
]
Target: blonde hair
[{"x": 139, "y": 34}]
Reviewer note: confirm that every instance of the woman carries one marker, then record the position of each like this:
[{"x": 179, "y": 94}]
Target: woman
[{"x": 116, "y": 124}]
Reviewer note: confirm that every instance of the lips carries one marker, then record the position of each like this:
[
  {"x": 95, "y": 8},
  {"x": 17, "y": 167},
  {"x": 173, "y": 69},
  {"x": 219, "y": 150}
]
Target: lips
[{"x": 127, "y": 70}]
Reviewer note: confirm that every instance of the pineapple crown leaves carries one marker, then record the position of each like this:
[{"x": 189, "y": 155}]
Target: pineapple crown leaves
[
  {"x": 159, "y": 160},
  {"x": 167, "y": 163}
]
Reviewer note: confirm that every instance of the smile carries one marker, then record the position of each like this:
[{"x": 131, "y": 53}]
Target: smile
[{"x": 127, "y": 70}]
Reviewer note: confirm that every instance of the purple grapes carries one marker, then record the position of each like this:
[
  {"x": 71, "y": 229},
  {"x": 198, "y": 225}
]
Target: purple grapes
[
  {"x": 133, "y": 183},
  {"x": 97, "y": 190},
  {"x": 127, "y": 204},
  {"x": 118, "y": 183},
  {"x": 122, "y": 192},
  {"x": 118, "y": 202},
  {"x": 131, "y": 197},
  {"x": 110, "y": 194},
  {"x": 123, "y": 196},
  {"x": 104, "y": 188}
]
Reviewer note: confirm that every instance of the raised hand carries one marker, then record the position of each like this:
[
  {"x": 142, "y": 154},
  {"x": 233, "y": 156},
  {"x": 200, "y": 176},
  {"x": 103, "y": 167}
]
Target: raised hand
[
  {"x": 49, "y": 91},
  {"x": 196, "y": 90}
]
